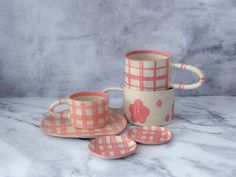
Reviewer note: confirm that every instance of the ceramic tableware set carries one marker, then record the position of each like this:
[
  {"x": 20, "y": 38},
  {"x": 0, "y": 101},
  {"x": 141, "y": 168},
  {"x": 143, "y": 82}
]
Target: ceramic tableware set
[
  {"x": 148, "y": 103},
  {"x": 148, "y": 92},
  {"x": 88, "y": 117}
]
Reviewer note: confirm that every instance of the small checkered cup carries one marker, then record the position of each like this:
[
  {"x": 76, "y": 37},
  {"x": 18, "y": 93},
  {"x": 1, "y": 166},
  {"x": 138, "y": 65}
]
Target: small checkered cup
[
  {"x": 149, "y": 70},
  {"x": 88, "y": 110}
]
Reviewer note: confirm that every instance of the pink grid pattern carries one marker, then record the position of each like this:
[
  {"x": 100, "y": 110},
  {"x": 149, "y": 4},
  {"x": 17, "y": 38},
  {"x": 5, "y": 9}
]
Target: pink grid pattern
[
  {"x": 138, "y": 80},
  {"x": 94, "y": 119},
  {"x": 62, "y": 127},
  {"x": 84, "y": 114},
  {"x": 112, "y": 147},
  {"x": 150, "y": 134}
]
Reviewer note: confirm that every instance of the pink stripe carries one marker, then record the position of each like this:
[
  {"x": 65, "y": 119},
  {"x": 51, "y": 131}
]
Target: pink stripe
[
  {"x": 91, "y": 106},
  {"x": 141, "y": 77},
  {"x": 104, "y": 111},
  {"x": 135, "y": 67},
  {"x": 179, "y": 86},
  {"x": 105, "y": 150},
  {"x": 83, "y": 117},
  {"x": 151, "y": 88},
  {"x": 131, "y": 76},
  {"x": 166, "y": 54},
  {"x": 183, "y": 66},
  {"x": 202, "y": 78},
  {"x": 167, "y": 74},
  {"x": 95, "y": 114},
  {"x": 129, "y": 82},
  {"x": 155, "y": 76}
]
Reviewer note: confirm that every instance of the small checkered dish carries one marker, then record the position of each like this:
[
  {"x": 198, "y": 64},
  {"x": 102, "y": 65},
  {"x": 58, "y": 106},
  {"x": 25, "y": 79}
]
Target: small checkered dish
[
  {"x": 150, "y": 134},
  {"x": 112, "y": 147},
  {"x": 61, "y": 126}
]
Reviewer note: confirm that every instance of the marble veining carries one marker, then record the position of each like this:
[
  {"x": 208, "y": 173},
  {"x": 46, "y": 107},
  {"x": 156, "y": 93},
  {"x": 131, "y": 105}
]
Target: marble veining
[{"x": 204, "y": 144}]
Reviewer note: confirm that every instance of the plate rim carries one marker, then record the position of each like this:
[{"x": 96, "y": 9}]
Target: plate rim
[
  {"x": 145, "y": 142},
  {"x": 106, "y": 157},
  {"x": 81, "y": 136}
]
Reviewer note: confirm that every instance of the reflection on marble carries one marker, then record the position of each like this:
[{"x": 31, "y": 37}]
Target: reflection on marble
[{"x": 204, "y": 144}]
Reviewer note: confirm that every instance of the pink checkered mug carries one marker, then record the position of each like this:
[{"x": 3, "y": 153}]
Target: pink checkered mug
[
  {"x": 88, "y": 110},
  {"x": 149, "y": 70}
]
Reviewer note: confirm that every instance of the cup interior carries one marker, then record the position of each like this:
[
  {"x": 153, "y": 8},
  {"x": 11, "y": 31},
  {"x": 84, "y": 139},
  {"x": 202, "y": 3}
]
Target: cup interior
[
  {"x": 89, "y": 96},
  {"x": 148, "y": 55}
]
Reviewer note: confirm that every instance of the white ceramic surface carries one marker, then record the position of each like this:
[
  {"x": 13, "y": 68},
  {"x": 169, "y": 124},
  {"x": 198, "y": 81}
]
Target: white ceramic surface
[{"x": 147, "y": 107}]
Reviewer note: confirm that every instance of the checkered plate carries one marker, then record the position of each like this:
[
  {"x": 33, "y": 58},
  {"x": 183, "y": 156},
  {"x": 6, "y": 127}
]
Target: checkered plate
[
  {"x": 61, "y": 126},
  {"x": 150, "y": 134},
  {"x": 112, "y": 147}
]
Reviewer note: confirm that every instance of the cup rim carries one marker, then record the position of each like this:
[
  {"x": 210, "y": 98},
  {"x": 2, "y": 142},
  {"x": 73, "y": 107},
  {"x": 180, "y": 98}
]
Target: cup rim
[
  {"x": 89, "y": 93},
  {"x": 170, "y": 89},
  {"x": 164, "y": 53}
]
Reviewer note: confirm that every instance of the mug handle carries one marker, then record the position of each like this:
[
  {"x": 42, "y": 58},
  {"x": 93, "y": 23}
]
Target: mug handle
[
  {"x": 191, "y": 68},
  {"x": 114, "y": 89},
  {"x": 62, "y": 114}
]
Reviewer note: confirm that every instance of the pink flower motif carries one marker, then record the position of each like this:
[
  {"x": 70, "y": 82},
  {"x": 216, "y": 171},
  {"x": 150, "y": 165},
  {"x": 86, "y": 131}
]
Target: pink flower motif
[
  {"x": 172, "y": 110},
  {"x": 167, "y": 118},
  {"x": 139, "y": 112},
  {"x": 159, "y": 103}
]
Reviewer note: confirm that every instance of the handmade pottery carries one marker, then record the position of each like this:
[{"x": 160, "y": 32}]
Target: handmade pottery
[
  {"x": 147, "y": 107},
  {"x": 112, "y": 147},
  {"x": 88, "y": 110},
  {"x": 59, "y": 125},
  {"x": 149, "y": 134},
  {"x": 147, "y": 70}
]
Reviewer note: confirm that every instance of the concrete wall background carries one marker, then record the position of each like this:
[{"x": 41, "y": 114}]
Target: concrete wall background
[{"x": 55, "y": 47}]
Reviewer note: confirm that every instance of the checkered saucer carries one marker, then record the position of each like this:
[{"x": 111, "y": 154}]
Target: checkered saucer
[
  {"x": 150, "y": 134},
  {"x": 112, "y": 147},
  {"x": 61, "y": 126}
]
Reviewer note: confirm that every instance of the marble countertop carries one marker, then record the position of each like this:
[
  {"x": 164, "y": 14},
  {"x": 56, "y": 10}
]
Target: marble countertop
[{"x": 204, "y": 144}]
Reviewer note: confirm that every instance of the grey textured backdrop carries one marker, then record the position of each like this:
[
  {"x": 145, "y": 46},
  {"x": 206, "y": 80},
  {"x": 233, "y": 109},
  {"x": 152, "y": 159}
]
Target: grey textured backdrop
[{"x": 54, "y": 47}]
